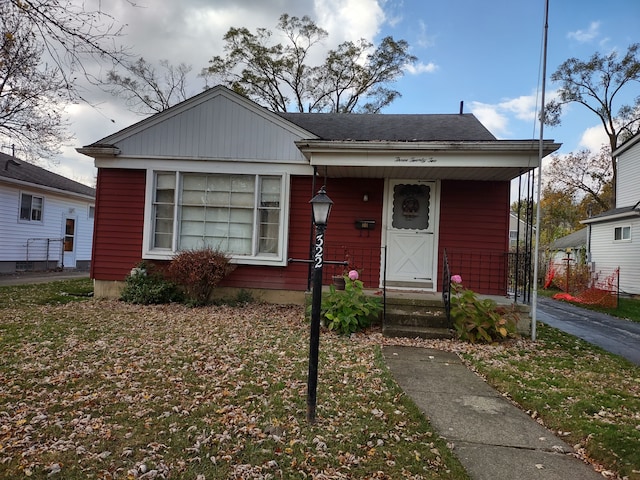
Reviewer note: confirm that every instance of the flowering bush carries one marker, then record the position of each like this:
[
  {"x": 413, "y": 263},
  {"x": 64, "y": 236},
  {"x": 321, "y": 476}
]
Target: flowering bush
[
  {"x": 477, "y": 320},
  {"x": 146, "y": 285},
  {"x": 349, "y": 310}
]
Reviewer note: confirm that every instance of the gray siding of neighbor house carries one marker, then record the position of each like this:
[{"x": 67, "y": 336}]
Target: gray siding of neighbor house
[
  {"x": 628, "y": 193},
  {"x": 219, "y": 129},
  {"x": 608, "y": 254}
]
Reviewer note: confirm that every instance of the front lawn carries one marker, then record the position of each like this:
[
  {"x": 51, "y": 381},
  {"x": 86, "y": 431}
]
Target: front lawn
[{"x": 105, "y": 389}]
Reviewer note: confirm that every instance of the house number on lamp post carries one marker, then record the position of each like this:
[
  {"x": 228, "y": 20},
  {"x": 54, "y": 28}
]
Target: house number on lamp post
[
  {"x": 321, "y": 207},
  {"x": 319, "y": 256}
]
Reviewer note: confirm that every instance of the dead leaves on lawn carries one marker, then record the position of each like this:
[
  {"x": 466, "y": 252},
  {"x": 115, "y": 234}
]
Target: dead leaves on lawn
[{"x": 113, "y": 390}]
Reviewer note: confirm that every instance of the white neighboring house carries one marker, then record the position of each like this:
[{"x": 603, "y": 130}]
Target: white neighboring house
[
  {"x": 518, "y": 229},
  {"x": 46, "y": 220},
  {"x": 572, "y": 246},
  {"x": 614, "y": 236}
]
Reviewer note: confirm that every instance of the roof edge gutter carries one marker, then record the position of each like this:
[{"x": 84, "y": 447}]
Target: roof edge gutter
[
  {"x": 617, "y": 216},
  {"x": 499, "y": 146},
  {"x": 99, "y": 150}
]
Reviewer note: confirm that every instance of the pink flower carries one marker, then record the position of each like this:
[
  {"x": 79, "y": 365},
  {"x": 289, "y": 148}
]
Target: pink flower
[
  {"x": 456, "y": 279},
  {"x": 353, "y": 275}
]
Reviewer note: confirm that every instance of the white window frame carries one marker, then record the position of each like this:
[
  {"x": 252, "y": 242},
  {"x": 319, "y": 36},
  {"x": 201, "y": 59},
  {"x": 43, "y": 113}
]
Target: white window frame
[
  {"x": 29, "y": 220},
  {"x": 622, "y": 229},
  {"x": 277, "y": 259}
]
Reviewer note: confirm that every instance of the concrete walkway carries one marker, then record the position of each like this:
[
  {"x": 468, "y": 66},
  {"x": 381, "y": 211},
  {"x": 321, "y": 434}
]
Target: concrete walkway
[{"x": 492, "y": 438}]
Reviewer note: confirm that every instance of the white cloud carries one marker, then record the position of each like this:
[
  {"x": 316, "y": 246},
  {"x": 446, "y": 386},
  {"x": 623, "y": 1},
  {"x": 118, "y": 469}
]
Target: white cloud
[
  {"x": 349, "y": 19},
  {"x": 588, "y": 35},
  {"x": 524, "y": 107},
  {"x": 490, "y": 117},
  {"x": 420, "y": 67},
  {"x": 424, "y": 40},
  {"x": 593, "y": 138},
  {"x": 497, "y": 117}
]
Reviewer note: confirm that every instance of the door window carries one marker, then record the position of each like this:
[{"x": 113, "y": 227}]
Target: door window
[
  {"x": 411, "y": 207},
  {"x": 69, "y": 235}
]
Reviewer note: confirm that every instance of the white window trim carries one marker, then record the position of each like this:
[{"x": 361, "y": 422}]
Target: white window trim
[
  {"x": 33, "y": 222},
  {"x": 280, "y": 259},
  {"x": 621, "y": 240}
]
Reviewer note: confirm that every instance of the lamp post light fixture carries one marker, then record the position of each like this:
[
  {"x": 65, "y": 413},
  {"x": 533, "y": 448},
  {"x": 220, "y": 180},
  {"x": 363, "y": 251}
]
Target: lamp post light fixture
[{"x": 321, "y": 205}]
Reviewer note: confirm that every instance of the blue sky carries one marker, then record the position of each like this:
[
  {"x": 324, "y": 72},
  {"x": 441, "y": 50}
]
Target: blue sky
[{"x": 487, "y": 54}]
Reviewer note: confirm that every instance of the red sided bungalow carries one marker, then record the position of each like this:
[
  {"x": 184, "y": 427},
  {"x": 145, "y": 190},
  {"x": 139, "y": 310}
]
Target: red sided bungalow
[{"x": 219, "y": 170}]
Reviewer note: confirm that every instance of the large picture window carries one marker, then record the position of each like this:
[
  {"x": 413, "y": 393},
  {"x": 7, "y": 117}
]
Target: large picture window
[
  {"x": 31, "y": 208},
  {"x": 236, "y": 213}
]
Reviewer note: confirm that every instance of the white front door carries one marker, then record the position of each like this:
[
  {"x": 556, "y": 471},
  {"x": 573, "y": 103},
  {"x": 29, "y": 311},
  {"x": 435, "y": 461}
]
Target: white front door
[
  {"x": 69, "y": 243},
  {"x": 410, "y": 233}
]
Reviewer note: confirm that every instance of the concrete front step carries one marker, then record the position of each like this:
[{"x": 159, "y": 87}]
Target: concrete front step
[
  {"x": 416, "y": 332},
  {"x": 428, "y": 317},
  {"x": 413, "y": 317}
]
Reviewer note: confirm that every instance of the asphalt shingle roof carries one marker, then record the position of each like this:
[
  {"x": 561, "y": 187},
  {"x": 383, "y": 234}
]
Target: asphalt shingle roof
[
  {"x": 392, "y": 127},
  {"x": 573, "y": 240},
  {"x": 17, "y": 169}
]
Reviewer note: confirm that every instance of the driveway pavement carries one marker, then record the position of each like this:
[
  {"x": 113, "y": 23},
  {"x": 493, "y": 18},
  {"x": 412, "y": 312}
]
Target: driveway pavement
[
  {"x": 615, "y": 335},
  {"x": 23, "y": 278}
]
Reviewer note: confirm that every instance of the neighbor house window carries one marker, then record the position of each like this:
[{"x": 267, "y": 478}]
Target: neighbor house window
[
  {"x": 236, "y": 213},
  {"x": 92, "y": 211},
  {"x": 31, "y": 208},
  {"x": 622, "y": 233}
]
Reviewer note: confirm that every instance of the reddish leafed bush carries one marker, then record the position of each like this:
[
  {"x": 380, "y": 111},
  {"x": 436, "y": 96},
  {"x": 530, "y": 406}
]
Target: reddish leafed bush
[{"x": 198, "y": 272}]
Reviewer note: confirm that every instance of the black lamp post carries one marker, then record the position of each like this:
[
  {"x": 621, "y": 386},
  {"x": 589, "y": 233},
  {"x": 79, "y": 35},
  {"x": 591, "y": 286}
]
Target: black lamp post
[{"x": 321, "y": 205}]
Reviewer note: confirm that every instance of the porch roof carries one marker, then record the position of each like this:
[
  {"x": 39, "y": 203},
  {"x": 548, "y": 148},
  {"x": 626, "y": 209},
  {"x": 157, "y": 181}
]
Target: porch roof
[{"x": 486, "y": 160}]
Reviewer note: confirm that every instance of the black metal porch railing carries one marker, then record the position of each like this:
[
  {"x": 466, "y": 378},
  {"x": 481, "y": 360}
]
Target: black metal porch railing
[
  {"x": 368, "y": 261},
  {"x": 489, "y": 272},
  {"x": 446, "y": 285}
]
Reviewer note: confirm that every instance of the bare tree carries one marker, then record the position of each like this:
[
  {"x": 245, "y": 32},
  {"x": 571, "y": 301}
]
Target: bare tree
[
  {"x": 46, "y": 46},
  {"x": 583, "y": 175},
  {"x": 30, "y": 106},
  {"x": 146, "y": 90},
  {"x": 72, "y": 35}
]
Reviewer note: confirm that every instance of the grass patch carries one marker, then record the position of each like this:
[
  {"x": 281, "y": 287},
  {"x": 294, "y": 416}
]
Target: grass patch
[
  {"x": 588, "y": 396},
  {"x": 52, "y": 293},
  {"x": 106, "y": 389}
]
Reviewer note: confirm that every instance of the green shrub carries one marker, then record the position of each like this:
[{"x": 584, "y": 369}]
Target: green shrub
[
  {"x": 146, "y": 285},
  {"x": 349, "y": 310},
  {"x": 241, "y": 298},
  {"x": 478, "y": 320},
  {"x": 198, "y": 272}
]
